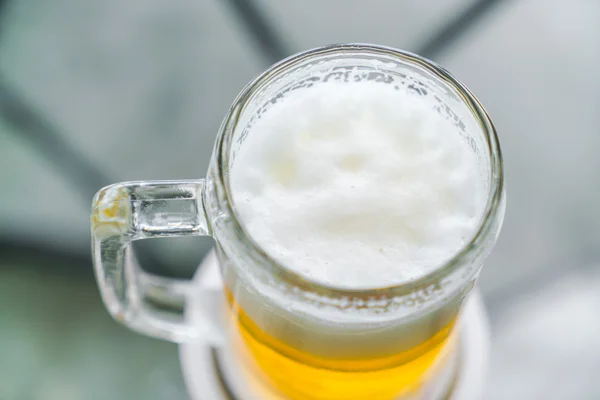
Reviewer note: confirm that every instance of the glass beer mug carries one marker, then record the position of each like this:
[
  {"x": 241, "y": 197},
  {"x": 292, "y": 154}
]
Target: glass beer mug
[{"x": 303, "y": 339}]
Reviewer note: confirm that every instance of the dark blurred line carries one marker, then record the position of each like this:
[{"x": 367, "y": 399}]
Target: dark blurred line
[
  {"x": 449, "y": 34},
  {"x": 24, "y": 253},
  {"x": 41, "y": 134},
  {"x": 3, "y": 4},
  {"x": 85, "y": 178},
  {"x": 225, "y": 390},
  {"x": 258, "y": 25}
]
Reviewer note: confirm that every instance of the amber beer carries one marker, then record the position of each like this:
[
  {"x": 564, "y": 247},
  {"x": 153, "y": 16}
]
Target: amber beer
[
  {"x": 316, "y": 360},
  {"x": 307, "y": 376}
]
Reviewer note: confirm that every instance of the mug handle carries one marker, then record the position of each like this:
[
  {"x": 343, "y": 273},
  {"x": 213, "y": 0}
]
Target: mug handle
[{"x": 147, "y": 303}]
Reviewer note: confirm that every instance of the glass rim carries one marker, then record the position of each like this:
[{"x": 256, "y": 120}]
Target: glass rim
[{"x": 460, "y": 257}]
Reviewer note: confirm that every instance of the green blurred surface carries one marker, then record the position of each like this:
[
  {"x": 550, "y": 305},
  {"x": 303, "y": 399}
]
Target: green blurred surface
[{"x": 57, "y": 342}]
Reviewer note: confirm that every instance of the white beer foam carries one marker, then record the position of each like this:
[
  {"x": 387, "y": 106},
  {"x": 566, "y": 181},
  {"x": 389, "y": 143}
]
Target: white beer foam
[{"x": 357, "y": 185}]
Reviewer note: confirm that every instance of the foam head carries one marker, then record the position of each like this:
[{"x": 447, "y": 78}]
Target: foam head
[{"x": 359, "y": 183}]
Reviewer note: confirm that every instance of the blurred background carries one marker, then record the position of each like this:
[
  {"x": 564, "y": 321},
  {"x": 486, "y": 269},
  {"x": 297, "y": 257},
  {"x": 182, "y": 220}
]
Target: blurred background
[{"x": 94, "y": 92}]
